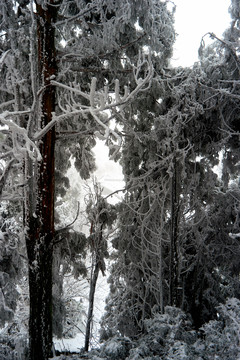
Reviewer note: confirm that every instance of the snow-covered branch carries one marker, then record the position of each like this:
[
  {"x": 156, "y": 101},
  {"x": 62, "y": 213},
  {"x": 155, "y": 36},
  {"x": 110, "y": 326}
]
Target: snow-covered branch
[
  {"x": 4, "y": 176},
  {"x": 77, "y": 16},
  {"x": 20, "y": 140},
  {"x": 98, "y": 101}
]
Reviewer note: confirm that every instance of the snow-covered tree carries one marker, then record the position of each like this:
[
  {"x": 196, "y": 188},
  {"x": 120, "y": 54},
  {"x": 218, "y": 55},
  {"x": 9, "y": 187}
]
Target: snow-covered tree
[
  {"x": 220, "y": 338},
  {"x": 63, "y": 63},
  {"x": 174, "y": 228},
  {"x": 101, "y": 216},
  {"x": 159, "y": 161}
]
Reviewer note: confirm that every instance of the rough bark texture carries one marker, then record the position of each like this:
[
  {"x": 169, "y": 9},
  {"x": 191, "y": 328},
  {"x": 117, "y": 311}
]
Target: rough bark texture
[{"x": 41, "y": 222}]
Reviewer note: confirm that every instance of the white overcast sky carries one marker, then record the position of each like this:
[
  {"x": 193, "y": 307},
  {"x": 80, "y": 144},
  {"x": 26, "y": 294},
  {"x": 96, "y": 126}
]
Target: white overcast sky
[{"x": 193, "y": 19}]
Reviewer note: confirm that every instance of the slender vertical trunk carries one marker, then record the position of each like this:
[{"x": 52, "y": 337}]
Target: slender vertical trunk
[
  {"x": 40, "y": 217},
  {"x": 99, "y": 265},
  {"x": 160, "y": 276},
  {"x": 174, "y": 281},
  {"x": 91, "y": 304}
]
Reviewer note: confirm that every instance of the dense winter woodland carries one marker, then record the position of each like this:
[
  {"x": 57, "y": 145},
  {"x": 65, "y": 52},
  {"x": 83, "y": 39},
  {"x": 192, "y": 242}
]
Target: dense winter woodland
[{"x": 74, "y": 72}]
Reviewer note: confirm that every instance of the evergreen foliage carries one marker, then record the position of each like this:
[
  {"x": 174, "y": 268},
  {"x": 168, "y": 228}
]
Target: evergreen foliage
[
  {"x": 173, "y": 244},
  {"x": 10, "y": 263},
  {"x": 72, "y": 72},
  {"x": 171, "y": 336}
]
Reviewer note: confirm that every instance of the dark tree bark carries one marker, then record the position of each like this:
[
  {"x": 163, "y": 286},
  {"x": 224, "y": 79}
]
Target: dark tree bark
[{"x": 40, "y": 223}]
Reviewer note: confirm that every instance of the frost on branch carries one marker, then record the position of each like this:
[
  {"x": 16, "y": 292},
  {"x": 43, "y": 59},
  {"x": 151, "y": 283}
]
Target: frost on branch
[
  {"x": 9, "y": 267},
  {"x": 100, "y": 101},
  {"x": 20, "y": 140}
]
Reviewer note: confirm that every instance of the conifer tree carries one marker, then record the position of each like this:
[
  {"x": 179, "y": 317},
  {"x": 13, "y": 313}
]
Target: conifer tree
[
  {"x": 168, "y": 248},
  {"x": 60, "y": 60},
  {"x": 101, "y": 216}
]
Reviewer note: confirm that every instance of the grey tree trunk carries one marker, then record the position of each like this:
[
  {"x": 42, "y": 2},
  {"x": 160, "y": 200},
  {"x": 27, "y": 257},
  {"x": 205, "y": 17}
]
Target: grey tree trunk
[
  {"x": 98, "y": 265},
  {"x": 174, "y": 299},
  {"x": 93, "y": 284}
]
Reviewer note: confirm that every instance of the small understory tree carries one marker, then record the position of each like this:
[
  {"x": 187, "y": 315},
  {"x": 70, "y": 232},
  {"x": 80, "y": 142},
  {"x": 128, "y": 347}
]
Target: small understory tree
[{"x": 101, "y": 216}]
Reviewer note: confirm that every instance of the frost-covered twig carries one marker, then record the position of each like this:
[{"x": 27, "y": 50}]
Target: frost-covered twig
[
  {"x": 100, "y": 101},
  {"x": 32, "y": 58},
  {"x": 71, "y": 89},
  {"x": 17, "y": 131},
  {"x": 220, "y": 91},
  {"x": 3, "y": 57},
  {"x": 4, "y": 176},
  {"x": 7, "y": 103},
  {"x": 77, "y": 16},
  {"x": 68, "y": 226},
  {"x": 109, "y": 131},
  {"x": 227, "y": 46},
  {"x": 73, "y": 55},
  {"x": 234, "y": 236}
]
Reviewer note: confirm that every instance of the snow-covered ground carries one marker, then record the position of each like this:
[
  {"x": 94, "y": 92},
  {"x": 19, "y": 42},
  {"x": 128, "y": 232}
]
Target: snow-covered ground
[{"x": 70, "y": 345}]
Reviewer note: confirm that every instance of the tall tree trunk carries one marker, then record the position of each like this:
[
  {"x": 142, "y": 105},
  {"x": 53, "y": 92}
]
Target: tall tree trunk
[{"x": 40, "y": 217}]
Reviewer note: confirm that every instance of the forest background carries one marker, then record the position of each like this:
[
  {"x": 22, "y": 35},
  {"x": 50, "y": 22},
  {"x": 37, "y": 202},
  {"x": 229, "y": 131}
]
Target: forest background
[{"x": 75, "y": 71}]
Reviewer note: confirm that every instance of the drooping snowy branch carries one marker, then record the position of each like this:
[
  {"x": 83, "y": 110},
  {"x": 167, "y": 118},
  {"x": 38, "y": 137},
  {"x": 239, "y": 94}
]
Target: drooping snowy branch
[
  {"x": 98, "y": 101},
  {"x": 20, "y": 140}
]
